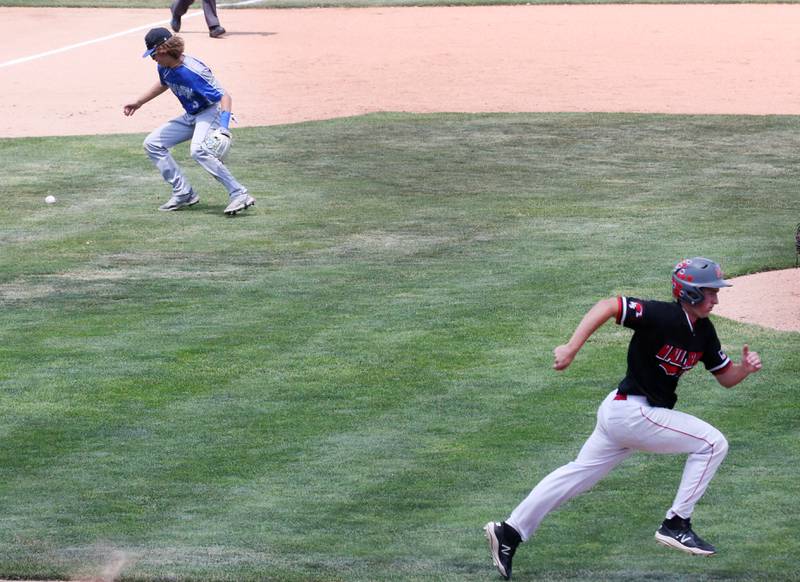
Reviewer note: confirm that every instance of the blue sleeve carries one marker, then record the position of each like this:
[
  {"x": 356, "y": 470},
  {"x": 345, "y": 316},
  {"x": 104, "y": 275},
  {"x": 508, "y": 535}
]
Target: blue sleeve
[
  {"x": 207, "y": 90},
  {"x": 200, "y": 85}
]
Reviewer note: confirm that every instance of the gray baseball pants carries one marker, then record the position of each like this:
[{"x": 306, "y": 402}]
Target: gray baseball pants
[
  {"x": 623, "y": 427},
  {"x": 179, "y": 8},
  {"x": 181, "y": 129}
]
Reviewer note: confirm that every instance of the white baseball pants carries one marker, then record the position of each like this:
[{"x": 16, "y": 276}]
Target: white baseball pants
[
  {"x": 623, "y": 427},
  {"x": 181, "y": 129}
]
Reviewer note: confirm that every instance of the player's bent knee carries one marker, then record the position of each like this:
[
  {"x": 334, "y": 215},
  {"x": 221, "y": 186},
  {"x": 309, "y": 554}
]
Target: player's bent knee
[
  {"x": 722, "y": 446},
  {"x": 198, "y": 154},
  {"x": 719, "y": 446},
  {"x": 152, "y": 147}
]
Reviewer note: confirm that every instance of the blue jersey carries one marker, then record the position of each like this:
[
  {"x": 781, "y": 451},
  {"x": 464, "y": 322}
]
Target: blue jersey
[{"x": 193, "y": 84}]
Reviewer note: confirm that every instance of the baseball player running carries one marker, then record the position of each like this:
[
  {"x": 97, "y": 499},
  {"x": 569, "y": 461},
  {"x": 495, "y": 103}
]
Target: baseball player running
[
  {"x": 208, "y": 114},
  {"x": 668, "y": 340}
]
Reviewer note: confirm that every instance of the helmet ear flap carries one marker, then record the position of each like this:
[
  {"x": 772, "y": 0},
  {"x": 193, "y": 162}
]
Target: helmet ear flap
[
  {"x": 689, "y": 293},
  {"x": 692, "y": 295}
]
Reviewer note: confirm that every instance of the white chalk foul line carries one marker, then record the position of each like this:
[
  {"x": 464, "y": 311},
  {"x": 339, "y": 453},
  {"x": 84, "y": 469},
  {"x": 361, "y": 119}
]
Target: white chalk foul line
[{"x": 70, "y": 47}]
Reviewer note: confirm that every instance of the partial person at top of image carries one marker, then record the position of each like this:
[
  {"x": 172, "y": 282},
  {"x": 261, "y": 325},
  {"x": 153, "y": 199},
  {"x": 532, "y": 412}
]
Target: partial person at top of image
[{"x": 179, "y": 8}]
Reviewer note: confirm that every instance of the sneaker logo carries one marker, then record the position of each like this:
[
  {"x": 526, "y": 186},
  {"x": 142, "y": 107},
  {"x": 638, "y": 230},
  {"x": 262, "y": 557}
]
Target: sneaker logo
[
  {"x": 685, "y": 539},
  {"x": 504, "y": 549}
]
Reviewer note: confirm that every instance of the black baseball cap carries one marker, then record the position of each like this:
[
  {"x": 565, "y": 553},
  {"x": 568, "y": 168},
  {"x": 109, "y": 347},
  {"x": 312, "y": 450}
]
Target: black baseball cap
[{"x": 155, "y": 38}]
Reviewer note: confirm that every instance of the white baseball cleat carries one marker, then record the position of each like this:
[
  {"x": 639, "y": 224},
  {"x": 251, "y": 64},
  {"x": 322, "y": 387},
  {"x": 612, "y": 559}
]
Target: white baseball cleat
[
  {"x": 238, "y": 203},
  {"x": 176, "y": 202}
]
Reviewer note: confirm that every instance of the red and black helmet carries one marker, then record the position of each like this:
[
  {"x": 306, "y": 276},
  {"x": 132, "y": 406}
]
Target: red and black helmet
[{"x": 691, "y": 276}]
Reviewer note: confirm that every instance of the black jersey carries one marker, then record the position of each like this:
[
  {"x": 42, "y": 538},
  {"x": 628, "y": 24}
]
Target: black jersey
[{"x": 665, "y": 345}]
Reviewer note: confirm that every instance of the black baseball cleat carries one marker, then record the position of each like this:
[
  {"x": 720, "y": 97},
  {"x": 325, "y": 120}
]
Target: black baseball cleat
[
  {"x": 503, "y": 542},
  {"x": 216, "y": 32},
  {"x": 677, "y": 533},
  {"x": 175, "y": 23}
]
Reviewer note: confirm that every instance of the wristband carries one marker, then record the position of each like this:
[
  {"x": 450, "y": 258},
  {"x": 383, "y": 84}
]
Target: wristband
[{"x": 225, "y": 119}]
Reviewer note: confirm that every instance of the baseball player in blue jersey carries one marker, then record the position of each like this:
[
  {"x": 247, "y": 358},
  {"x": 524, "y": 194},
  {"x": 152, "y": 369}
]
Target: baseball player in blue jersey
[
  {"x": 668, "y": 340},
  {"x": 205, "y": 123}
]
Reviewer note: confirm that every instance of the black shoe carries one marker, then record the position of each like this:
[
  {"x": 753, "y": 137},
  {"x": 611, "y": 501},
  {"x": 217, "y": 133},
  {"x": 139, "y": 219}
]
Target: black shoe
[
  {"x": 175, "y": 23},
  {"x": 503, "y": 542},
  {"x": 216, "y": 32},
  {"x": 677, "y": 533}
]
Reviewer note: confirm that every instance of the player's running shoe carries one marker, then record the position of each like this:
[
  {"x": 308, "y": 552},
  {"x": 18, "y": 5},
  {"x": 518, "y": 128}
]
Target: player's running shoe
[
  {"x": 238, "y": 203},
  {"x": 178, "y": 202},
  {"x": 677, "y": 533},
  {"x": 503, "y": 542}
]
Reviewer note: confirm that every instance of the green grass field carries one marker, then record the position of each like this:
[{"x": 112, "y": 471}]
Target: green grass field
[{"x": 348, "y": 381}]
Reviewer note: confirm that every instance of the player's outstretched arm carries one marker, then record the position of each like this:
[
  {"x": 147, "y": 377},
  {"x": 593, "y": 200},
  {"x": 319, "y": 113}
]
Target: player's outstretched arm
[
  {"x": 152, "y": 93},
  {"x": 750, "y": 364},
  {"x": 600, "y": 313}
]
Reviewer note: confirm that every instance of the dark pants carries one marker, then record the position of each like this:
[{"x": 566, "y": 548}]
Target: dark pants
[{"x": 179, "y": 8}]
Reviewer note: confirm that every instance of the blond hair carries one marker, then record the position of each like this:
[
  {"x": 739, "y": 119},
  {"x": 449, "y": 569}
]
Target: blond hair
[{"x": 173, "y": 47}]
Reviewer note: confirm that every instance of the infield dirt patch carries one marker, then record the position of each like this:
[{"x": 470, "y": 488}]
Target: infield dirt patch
[
  {"x": 770, "y": 299},
  {"x": 284, "y": 66}
]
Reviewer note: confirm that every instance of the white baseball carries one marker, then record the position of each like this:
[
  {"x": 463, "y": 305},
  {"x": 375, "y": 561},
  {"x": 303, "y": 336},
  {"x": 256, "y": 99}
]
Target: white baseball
[{"x": 50, "y": 199}]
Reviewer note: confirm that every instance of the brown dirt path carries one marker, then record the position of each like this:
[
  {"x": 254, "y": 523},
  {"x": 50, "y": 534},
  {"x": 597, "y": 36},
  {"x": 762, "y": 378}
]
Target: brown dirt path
[
  {"x": 285, "y": 66},
  {"x": 770, "y": 299}
]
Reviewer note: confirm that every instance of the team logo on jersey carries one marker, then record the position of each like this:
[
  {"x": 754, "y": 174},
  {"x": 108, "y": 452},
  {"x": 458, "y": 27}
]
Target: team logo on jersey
[
  {"x": 181, "y": 90},
  {"x": 636, "y": 307},
  {"x": 675, "y": 361}
]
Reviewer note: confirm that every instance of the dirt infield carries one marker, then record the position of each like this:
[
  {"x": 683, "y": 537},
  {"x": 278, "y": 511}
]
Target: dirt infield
[
  {"x": 285, "y": 66},
  {"x": 770, "y": 299}
]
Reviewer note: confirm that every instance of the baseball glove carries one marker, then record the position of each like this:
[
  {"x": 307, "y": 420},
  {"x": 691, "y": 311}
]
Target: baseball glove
[{"x": 218, "y": 143}]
